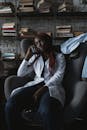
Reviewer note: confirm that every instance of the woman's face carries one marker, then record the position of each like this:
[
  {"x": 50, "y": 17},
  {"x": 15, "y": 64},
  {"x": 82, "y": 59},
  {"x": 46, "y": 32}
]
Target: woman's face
[{"x": 39, "y": 44}]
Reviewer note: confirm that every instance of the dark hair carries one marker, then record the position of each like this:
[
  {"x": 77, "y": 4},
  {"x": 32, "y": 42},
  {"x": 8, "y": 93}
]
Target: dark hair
[
  {"x": 48, "y": 47},
  {"x": 45, "y": 38}
]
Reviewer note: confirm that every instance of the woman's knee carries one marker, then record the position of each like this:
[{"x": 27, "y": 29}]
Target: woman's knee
[
  {"x": 43, "y": 110},
  {"x": 44, "y": 105}
]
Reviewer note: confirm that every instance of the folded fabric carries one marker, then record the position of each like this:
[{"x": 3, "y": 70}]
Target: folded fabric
[
  {"x": 70, "y": 45},
  {"x": 84, "y": 71}
]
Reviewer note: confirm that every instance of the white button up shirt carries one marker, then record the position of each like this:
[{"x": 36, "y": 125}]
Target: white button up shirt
[{"x": 53, "y": 79}]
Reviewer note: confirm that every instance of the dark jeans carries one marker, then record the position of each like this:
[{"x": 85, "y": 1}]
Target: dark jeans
[{"x": 49, "y": 108}]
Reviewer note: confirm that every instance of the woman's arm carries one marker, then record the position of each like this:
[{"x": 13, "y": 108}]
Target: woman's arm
[
  {"x": 40, "y": 92},
  {"x": 24, "y": 69}
]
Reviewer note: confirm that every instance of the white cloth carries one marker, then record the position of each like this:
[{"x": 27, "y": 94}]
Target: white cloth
[
  {"x": 84, "y": 71},
  {"x": 52, "y": 79},
  {"x": 70, "y": 45}
]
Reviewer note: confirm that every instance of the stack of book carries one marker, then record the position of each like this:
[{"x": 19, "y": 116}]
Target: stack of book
[
  {"x": 6, "y": 8},
  {"x": 8, "y": 56},
  {"x": 26, "y": 6},
  {"x": 9, "y": 29},
  {"x": 64, "y": 31},
  {"x": 65, "y": 7},
  {"x": 77, "y": 33},
  {"x": 27, "y": 33},
  {"x": 43, "y": 6}
]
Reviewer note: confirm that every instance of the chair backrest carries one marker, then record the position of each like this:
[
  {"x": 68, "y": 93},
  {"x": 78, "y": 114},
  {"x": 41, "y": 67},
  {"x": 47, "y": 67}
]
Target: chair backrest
[
  {"x": 24, "y": 44},
  {"x": 74, "y": 68}
]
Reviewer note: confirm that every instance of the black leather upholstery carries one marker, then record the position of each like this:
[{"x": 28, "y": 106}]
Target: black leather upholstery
[
  {"x": 76, "y": 89},
  {"x": 24, "y": 44},
  {"x": 73, "y": 85},
  {"x": 73, "y": 70}
]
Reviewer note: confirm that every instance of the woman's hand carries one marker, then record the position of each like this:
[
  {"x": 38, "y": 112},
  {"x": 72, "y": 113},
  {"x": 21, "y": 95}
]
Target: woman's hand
[
  {"x": 29, "y": 53},
  {"x": 39, "y": 93}
]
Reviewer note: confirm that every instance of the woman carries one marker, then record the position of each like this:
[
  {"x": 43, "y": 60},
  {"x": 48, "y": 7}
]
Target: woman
[{"x": 41, "y": 63}]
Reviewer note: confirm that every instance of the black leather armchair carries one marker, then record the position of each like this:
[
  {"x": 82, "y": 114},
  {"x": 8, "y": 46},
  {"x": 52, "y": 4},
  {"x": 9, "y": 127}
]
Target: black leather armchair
[{"x": 75, "y": 113}]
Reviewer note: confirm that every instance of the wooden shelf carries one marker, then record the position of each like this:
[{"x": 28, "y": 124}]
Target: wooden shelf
[
  {"x": 34, "y": 14},
  {"x": 38, "y": 14},
  {"x": 77, "y": 14},
  {"x": 5, "y": 37},
  {"x": 7, "y": 14},
  {"x": 61, "y": 38}
]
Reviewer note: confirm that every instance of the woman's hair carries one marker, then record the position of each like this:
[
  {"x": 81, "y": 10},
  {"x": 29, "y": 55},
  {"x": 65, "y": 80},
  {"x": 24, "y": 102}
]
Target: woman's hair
[
  {"x": 46, "y": 39},
  {"x": 48, "y": 47}
]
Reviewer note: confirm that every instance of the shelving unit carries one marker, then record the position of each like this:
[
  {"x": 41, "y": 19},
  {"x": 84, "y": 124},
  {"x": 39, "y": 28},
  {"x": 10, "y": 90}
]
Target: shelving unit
[
  {"x": 7, "y": 18},
  {"x": 54, "y": 16},
  {"x": 8, "y": 44},
  {"x": 41, "y": 21},
  {"x": 20, "y": 15}
]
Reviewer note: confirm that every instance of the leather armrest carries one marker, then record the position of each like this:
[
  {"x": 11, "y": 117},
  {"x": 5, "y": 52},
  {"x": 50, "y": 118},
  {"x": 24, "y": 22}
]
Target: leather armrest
[{"x": 84, "y": 79}]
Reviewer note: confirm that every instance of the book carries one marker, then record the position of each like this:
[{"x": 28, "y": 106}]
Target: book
[
  {"x": 63, "y": 31},
  {"x": 25, "y": 1},
  {"x": 5, "y": 10},
  {"x": 64, "y": 35},
  {"x": 12, "y": 31},
  {"x": 65, "y": 6},
  {"x": 63, "y": 26},
  {"x": 27, "y": 9},
  {"x": 8, "y": 25},
  {"x": 9, "y": 34},
  {"x": 25, "y": 4}
]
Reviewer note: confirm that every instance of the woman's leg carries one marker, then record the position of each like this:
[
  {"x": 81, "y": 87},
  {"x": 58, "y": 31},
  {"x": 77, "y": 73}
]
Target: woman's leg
[
  {"x": 15, "y": 106},
  {"x": 51, "y": 112}
]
